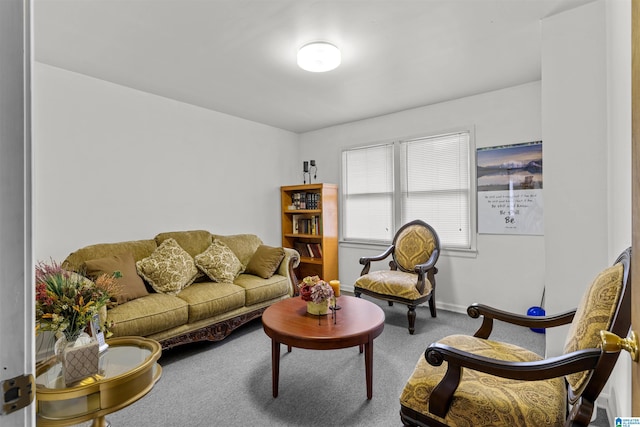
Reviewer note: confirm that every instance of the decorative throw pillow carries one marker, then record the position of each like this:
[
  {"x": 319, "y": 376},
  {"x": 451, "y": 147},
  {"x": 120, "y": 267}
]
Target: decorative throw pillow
[
  {"x": 131, "y": 285},
  {"x": 219, "y": 262},
  {"x": 265, "y": 261},
  {"x": 169, "y": 269}
]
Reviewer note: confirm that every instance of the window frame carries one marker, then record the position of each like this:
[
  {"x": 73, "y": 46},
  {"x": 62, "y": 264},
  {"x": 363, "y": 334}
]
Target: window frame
[{"x": 396, "y": 202}]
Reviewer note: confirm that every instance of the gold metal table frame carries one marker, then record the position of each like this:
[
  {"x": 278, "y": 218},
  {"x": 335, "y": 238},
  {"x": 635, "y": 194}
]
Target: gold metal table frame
[{"x": 128, "y": 370}]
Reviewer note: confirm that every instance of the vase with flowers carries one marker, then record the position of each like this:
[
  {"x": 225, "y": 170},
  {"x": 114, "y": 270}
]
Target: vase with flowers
[
  {"x": 317, "y": 293},
  {"x": 65, "y": 304}
]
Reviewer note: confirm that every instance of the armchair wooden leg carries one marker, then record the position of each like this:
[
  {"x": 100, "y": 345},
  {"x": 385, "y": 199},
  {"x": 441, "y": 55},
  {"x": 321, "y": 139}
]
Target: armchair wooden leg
[
  {"x": 411, "y": 314},
  {"x": 357, "y": 294},
  {"x": 432, "y": 304},
  {"x": 390, "y": 303}
]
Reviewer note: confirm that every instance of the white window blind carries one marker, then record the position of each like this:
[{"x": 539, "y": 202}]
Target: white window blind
[
  {"x": 367, "y": 193},
  {"x": 431, "y": 181},
  {"x": 435, "y": 185}
]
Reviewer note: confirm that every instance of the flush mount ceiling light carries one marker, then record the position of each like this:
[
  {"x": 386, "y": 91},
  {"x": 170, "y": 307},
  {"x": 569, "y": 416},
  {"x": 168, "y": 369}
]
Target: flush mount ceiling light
[{"x": 318, "y": 57}]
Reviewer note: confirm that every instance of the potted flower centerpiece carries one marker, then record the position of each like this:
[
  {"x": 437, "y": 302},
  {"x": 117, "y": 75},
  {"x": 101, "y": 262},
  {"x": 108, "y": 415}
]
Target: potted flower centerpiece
[
  {"x": 317, "y": 293},
  {"x": 65, "y": 304}
]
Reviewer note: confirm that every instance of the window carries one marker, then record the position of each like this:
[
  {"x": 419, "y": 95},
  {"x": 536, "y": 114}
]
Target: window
[
  {"x": 367, "y": 195},
  {"x": 428, "y": 178}
]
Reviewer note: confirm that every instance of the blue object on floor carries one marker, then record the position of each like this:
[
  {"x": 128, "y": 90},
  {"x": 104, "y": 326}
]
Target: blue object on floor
[{"x": 536, "y": 311}]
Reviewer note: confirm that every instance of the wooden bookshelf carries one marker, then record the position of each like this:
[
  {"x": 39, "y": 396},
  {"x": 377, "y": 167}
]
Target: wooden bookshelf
[{"x": 310, "y": 225}]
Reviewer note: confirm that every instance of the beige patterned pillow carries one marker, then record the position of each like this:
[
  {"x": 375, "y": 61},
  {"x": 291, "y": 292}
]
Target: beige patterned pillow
[
  {"x": 219, "y": 262},
  {"x": 169, "y": 269}
]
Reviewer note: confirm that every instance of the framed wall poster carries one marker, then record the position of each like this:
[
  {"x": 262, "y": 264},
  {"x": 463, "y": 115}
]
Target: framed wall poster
[{"x": 510, "y": 189}]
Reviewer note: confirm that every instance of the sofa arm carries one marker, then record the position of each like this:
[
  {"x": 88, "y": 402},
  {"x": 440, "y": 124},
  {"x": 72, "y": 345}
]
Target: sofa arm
[{"x": 290, "y": 261}]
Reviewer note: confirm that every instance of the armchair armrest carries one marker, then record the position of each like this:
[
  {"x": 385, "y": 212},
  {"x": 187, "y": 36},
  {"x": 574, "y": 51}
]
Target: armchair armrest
[
  {"x": 456, "y": 359},
  {"x": 431, "y": 262},
  {"x": 289, "y": 262},
  {"x": 490, "y": 313},
  {"x": 429, "y": 269},
  {"x": 366, "y": 261}
]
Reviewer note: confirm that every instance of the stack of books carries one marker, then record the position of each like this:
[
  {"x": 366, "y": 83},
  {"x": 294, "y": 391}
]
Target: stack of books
[{"x": 308, "y": 250}]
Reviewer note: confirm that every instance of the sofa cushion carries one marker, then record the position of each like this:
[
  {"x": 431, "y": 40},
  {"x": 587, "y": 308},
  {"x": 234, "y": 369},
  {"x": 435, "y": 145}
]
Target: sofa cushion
[
  {"x": 259, "y": 290},
  {"x": 194, "y": 242},
  {"x": 148, "y": 315},
  {"x": 219, "y": 262},
  {"x": 265, "y": 261},
  {"x": 393, "y": 282},
  {"x": 243, "y": 245},
  {"x": 169, "y": 269},
  {"x": 139, "y": 248},
  {"x": 208, "y": 299},
  {"x": 130, "y": 284}
]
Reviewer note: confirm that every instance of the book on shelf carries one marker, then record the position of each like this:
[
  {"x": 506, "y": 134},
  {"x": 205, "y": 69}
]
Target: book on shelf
[
  {"x": 306, "y": 224},
  {"x": 305, "y": 200},
  {"x": 295, "y": 224},
  {"x": 302, "y": 249},
  {"x": 295, "y": 200},
  {"x": 312, "y": 200},
  {"x": 303, "y": 225},
  {"x": 315, "y": 249}
]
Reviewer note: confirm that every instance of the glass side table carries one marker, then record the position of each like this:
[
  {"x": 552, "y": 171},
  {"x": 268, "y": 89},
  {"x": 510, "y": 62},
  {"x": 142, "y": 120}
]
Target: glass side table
[{"x": 128, "y": 370}]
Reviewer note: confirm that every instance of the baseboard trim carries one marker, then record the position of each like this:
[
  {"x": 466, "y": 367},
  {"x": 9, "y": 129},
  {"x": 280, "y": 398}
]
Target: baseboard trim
[
  {"x": 462, "y": 309},
  {"x": 609, "y": 402},
  {"x": 444, "y": 306}
]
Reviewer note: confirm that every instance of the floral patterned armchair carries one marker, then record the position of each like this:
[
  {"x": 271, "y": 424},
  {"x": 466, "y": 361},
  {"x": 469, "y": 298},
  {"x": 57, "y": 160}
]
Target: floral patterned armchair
[
  {"x": 473, "y": 381},
  {"x": 411, "y": 278}
]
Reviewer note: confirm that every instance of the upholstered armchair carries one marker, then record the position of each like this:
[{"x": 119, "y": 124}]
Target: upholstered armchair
[
  {"x": 411, "y": 278},
  {"x": 473, "y": 381}
]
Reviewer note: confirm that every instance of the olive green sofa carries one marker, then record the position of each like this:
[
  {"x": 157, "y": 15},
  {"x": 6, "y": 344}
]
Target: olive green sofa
[{"x": 203, "y": 309}]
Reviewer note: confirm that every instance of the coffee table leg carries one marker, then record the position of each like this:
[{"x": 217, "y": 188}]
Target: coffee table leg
[
  {"x": 368, "y": 367},
  {"x": 275, "y": 366}
]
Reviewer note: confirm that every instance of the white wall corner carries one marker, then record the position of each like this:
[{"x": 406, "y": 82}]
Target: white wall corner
[{"x": 610, "y": 403}]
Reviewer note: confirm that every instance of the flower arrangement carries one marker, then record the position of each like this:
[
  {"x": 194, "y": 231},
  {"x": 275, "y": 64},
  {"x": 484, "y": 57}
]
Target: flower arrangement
[
  {"x": 66, "y": 301},
  {"x": 314, "y": 289}
]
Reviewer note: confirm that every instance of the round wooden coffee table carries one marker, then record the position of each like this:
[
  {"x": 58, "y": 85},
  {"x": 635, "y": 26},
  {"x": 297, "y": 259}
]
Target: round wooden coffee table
[
  {"x": 128, "y": 370},
  {"x": 357, "y": 323}
]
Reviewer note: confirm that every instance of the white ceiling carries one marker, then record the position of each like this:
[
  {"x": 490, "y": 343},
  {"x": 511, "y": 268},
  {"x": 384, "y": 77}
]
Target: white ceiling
[{"x": 239, "y": 56}]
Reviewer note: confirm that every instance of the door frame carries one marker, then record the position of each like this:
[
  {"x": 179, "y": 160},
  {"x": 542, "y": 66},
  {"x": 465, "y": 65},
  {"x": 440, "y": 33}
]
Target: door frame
[
  {"x": 16, "y": 265},
  {"x": 635, "y": 196}
]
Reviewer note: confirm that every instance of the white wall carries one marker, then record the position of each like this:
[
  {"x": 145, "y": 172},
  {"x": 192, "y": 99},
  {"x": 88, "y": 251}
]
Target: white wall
[
  {"x": 574, "y": 114},
  {"x": 619, "y": 190},
  {"x": 508, "y": 271},
  {"x": 114, "y": 164},
  {"x": 586, "y": 125}
]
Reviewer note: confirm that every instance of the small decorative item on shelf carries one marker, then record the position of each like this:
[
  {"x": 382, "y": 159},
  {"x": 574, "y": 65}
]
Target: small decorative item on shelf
[
  {"x": 317, "y": 293},
  {"x": 306, "y": 170},
  {"x": 65, "y": 304}
]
